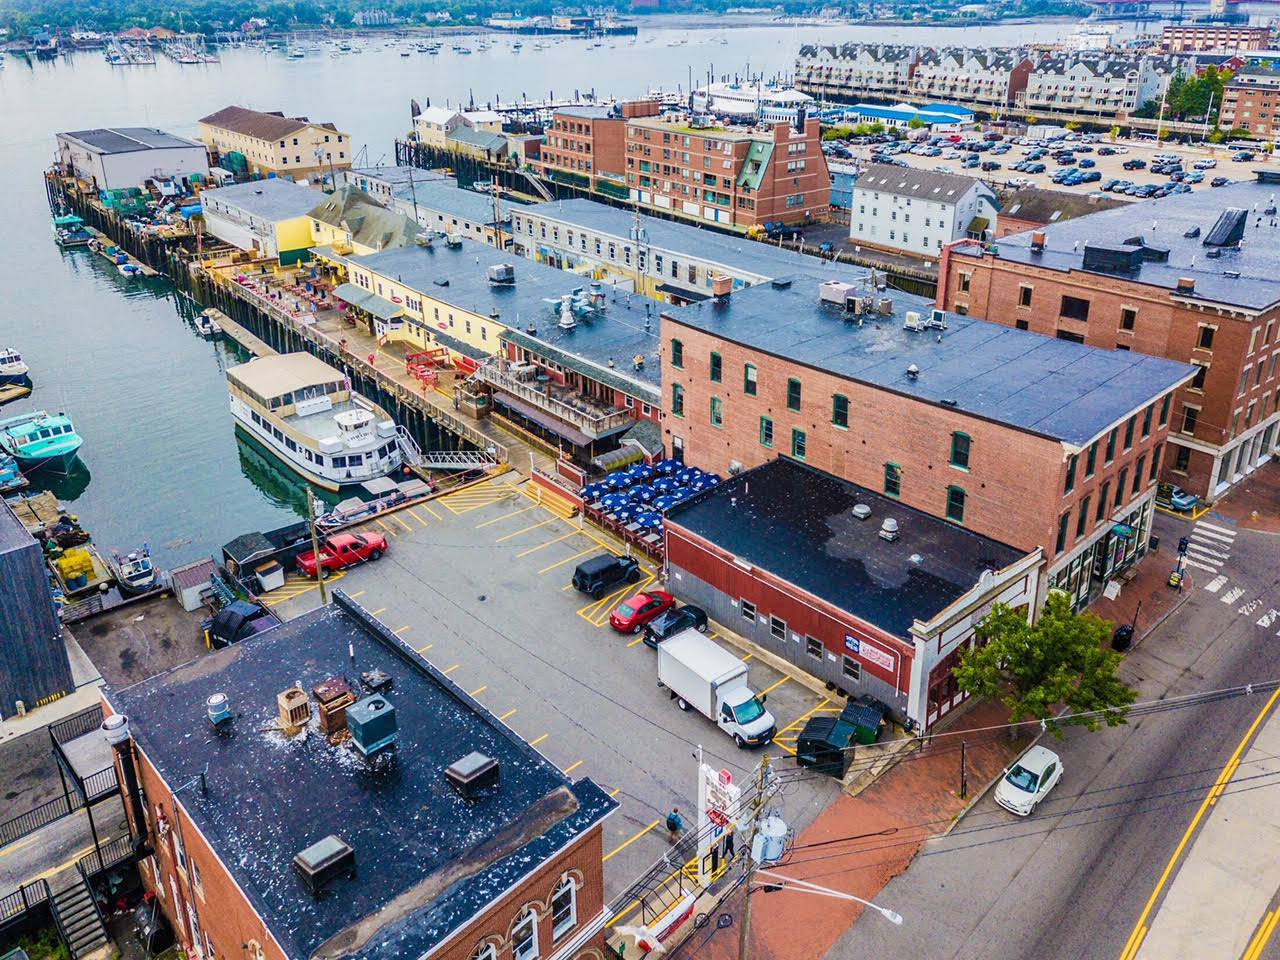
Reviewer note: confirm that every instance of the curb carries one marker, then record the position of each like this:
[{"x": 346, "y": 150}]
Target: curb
[{"x": 1167, "y": 614}]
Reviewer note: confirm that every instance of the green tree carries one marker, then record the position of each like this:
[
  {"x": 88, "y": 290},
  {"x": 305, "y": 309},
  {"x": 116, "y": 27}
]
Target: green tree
[
  {"x": 915, "y": 123},
  {"x": 1064, "y": 658}
]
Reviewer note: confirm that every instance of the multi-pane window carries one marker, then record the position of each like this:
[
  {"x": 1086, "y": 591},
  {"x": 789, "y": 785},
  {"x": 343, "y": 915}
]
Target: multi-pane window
[
  {"x": 677, "y": 400},
  {"x": 1155, "y": 461},
  {"x": 716, "y": 365},
  {"x": 564, "y": 908},
  {"x": 793, "y": 394},
  {"x": 892, "y": 479},
  {"x": 1070, "y": 483},
  {"x": 524, "y": 939},
  {"x": 813, "y": 647},
  {"x": 717, "y": 412},
  {"x": 1164, "y": 409},
  {"x": 1062, "y": 532},
  {"x": 1190, "y": 416},
  {"x": 1101, "y": 511},
  {"x": 1146, "y": 420},
  {"x": 840, "y": 410},
  {"x": 960, "y": 450},
  {"x": 1091, "y": 459},
  {"x": 1137, "y": 474},
  {"x": 677, "y": 353},
  {"x": 1111, "y": 446},
  {"x": 1083, "y": 519},
  {"x": 749, "y": 379},
  {"x": 797, "y": 444},
  {"x": 955, "y": 504},
  {"x": 777, "y": 627},
  {"x": 1120, "y": 481},
  {"x": 1205, "y": 339},
  {"x": 766, "y": 432},
  {"x": 748, "y": 610},
  {"x": 1128, "y": 431}
]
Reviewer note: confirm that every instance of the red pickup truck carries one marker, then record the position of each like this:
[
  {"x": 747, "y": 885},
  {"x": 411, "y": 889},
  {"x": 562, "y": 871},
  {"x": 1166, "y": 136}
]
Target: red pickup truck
[{"x": 342, "y": 550}]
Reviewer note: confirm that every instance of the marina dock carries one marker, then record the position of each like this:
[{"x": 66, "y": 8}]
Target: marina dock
[{"x": 108, "y": 248}]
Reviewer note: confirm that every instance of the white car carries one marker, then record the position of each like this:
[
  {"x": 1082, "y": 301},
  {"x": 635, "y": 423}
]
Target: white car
[
  {"x": 1029, "y": 780},
  {"x": 1208, "y": 163},
  {"x": 951, "y": 155},
  {"x": 1020, "y": 182},
  {"x": 1120, "y": 148}
]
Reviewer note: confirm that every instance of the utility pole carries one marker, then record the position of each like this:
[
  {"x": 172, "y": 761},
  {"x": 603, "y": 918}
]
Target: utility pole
[
  {"x": 757, "y": 802},
  {"x": 315, "y": 543},
  {"x": 497, "y": 212}
]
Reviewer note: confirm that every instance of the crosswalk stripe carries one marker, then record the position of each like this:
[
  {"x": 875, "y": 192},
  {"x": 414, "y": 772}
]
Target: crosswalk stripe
[
  {"x": 1232, "y": 595},
  {"x": 1215, "y": 539},
  {"x": 1206, "y": 548},
  {"x": 1199, "y": 566},
  {"x": 1213, "y": 563},
  {"x": 1216, "y": 584},
  {"x": 1227, "y": 531}
]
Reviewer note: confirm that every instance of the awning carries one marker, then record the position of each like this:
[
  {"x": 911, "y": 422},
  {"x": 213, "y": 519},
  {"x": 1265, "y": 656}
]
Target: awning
[
  {"x": 622, "y": 457},
  {"x": 680, "y": 292},
  {"x": 529, "y": 412},
  {"x": 978, "y": 226},
  {"x": 370, "y": 303}
]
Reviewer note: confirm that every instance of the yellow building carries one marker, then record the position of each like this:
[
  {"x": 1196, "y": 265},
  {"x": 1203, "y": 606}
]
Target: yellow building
[
  {"x": 256, "y": 142},
  {"x": 267, "y": 218}
]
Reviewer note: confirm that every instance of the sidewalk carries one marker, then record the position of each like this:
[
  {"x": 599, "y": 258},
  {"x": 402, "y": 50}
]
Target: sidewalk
[
  {"x": 1150, "y": 589},
  {"x": 860, "y": 843},
  {"x": 1259, "y": 492}
]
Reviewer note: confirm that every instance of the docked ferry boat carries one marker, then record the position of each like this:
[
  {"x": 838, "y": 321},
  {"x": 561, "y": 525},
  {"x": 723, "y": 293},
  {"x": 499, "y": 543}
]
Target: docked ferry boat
[
  {"x": 13, "y": 369},
  {"x": 40, "y": 440},
  {"x": 304, "y": 412}
]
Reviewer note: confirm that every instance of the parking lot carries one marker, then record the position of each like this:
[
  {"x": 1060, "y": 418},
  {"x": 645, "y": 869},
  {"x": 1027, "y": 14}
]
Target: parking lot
[
  {"x": 1109, "y": 167},
  {"x": 477, "y": 582}
]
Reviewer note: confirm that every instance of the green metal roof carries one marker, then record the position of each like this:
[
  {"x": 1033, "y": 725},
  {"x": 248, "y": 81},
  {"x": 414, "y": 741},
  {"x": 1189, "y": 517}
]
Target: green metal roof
[
  {"x": 753, "y": 167},
  {"x": 370, "y": 303}
]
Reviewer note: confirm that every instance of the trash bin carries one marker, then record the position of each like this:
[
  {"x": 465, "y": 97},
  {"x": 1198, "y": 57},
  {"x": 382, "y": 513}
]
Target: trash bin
[
  {"x": 865, "y": 718},
  {"x": 823, "y": 746},
  {"x": 1121, "y": 639}
]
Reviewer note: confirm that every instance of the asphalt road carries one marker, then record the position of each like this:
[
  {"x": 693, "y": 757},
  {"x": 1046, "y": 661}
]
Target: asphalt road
[
  {"x": 1085, "y": 876},
  {"x": 478, "y": 583}
]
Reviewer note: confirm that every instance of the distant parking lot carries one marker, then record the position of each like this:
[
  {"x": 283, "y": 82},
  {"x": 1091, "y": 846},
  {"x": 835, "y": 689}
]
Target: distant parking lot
[{"x": 478, "y": 583}]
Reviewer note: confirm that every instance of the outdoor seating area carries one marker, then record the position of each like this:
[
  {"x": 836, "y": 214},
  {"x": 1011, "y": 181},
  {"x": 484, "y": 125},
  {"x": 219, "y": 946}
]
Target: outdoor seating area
[
  {"x": 631, "y": 502},
  {"x": 297, "y": 292}
]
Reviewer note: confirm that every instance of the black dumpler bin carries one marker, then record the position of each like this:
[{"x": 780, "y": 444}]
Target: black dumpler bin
[
  {"x": 824, "y": 746},
  {"x": 1121, "y": 639}
]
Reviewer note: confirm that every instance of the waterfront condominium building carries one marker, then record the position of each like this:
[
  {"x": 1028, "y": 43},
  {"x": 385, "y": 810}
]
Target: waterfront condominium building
[
  {"x": 1250, "y": 101},
  {"x": 1106, "y": 85},
  {"x": 739, "y": 176},
  {"x": 377, "y": 811},
  {"x": 854, "y": 71},
  {"x": 1208, "y": 37},
  {"x": 251, "y": 141},
  {"x": 986, "y": 79},
  {"x": 963, "y": 419},
  {"x": 1189, "y": 277}
]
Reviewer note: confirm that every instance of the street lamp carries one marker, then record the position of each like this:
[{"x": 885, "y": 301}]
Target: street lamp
[{"x": 804, "y": 886}]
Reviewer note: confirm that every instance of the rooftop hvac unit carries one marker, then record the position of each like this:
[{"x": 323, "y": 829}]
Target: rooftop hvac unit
[
  {"x": 295, "y": 709},
  {"x": 453, "y": 240},
  {"x": 376, "y": 681},
  {"x": 889, "y": 529},
  {"x": 938, "y": 319},
  {"x": 735, "y": 467},
  {"x": 835, "y": 291},
  {"x": 473, "y": 774},
  {"x": 502, "y": 275},
  {"x": 912, "y": 321},
  {"x": 884, "y": 306},
  {"x": 423, "y": 239},
  {"x": 333, "y": 697},
  {"x": 323, "y": 862},
  {"x": 372, "y": 722}
]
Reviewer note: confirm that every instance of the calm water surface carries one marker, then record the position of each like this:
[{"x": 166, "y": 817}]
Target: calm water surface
[{"x": 161, "y": 460}]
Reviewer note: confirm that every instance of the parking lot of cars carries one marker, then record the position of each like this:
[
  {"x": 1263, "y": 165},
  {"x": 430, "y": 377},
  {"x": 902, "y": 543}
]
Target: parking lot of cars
[
  {"x": 1085, "y": 163},
  {"x": 479, "y": 583}
]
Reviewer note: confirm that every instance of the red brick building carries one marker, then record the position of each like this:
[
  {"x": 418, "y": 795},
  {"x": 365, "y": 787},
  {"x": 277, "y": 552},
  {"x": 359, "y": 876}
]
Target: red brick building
[
  {"x": 696, "y": 169},
  {"x": 1250, "y": 101},
  {"x": 1021, "y": 438},
  {"x": 1033, "y": 207},
  {"x": 1189, "y": 277},
  {"x": 1207, "y": 37},
  {"x": 282, "y": 824},
  {"x": 583, "y": 144}
]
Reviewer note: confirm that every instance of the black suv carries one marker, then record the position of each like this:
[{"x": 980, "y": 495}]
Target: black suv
[
  {"x": 596, "y": 575},
  {"x": 672, "y": 622}
]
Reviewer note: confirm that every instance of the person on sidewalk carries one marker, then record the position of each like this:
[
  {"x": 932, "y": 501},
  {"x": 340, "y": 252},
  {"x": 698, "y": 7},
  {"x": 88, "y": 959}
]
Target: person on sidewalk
[{"x": 675, "y": 826}]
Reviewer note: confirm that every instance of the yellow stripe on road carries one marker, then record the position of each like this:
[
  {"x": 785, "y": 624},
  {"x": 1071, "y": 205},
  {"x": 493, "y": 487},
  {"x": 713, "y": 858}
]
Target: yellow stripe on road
[
  {"x": 426, "y": 648},
  {"x": 626, "y": 843},
  {"x": 775, "y": 686},
  {"x": 397, "y": 518},
  {"x": 571, "y": 533},
  {"x": 374, "y": 613},
  {"x": 478, "y": 690},
  {"x": 1140, "y": 928},
  {"x": 561, "y": 563},
  {"x": 1260, "y": 939},
  {"x": 534, "y": 526},
  {"x": 503, "y": 718},
  {"x": 573, "y": 767},
  {"x": 451, "y": 669},
  {"x": 513, "y": 513},
  {"x": 427, "y": 507},
  {"x": 400, "y": 630},
  {"x": 639, "y": 639},
  {"x": 534, "y": 743},
  {"x": 356, "y": 594},
  {"x": 384, "y": 526}
]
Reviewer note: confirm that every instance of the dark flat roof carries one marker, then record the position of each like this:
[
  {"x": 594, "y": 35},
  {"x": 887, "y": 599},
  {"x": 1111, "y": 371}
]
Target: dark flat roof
[
  {"x": 617, "y": 333},
  {"x": 414, "y": 838},
  {"x": 1164, "y": 223},
  {"x": 109, "y": 140},
  {"x": 1051, "y": 387},
  {"x": 13, "y": 535},
  {"x": 796, "y": 522}
]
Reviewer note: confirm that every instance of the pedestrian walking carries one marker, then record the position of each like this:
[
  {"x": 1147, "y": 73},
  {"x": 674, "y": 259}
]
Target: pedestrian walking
[{"x": 675, "y": 825}]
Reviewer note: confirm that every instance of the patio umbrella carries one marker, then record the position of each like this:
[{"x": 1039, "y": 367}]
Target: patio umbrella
[
  {"x": 650, "y": 521},
  {"x": 641, "y": 493},
  {"x": 617, "y": 480},
  {"x": 612, "y": 501},
  {"x": 665, "y": 485},
  {"x": 688, "y": 475},
  {"x": 665, "y": 502},
  {"x": 640, "y": 471},
  {"x": 667, "y": 466}
]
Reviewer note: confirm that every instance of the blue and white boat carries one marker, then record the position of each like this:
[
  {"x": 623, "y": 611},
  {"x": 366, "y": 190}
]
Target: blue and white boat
[
  {"x": 135, "y": 573},
  {"x": 40, "y": 440},
  {"x": 70, "y": 231},
  {"x": 13, "y": 369},
  {"x": 11, "y": 477}
]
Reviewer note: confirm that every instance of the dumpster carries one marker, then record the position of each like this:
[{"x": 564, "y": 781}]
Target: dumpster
[
  {"x": 1121, "y": 639},
  {"x": 824, "y": 746},
  {"x": 866, "y": 718}
]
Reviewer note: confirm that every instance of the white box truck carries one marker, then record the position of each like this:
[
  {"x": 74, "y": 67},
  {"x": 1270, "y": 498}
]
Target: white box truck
[{"x": 709, "y": 678}]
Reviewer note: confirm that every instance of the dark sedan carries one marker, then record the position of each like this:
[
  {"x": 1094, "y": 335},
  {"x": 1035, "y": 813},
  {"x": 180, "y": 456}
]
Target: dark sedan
[{"x": 671, "y": 622}]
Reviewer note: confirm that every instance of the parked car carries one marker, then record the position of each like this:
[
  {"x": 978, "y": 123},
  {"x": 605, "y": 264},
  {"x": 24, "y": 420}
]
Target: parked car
[
  {"x": 341, "y": 550},
  {"x": 1242, "y": 156},
  {"x": 1090, "y": 176},
  {"x": 989, "y": 165},
  {"x": 1205, "y": 163},
  {"x": 1219, "y": 182},
  {"x": 631, "y": 615},
  {"x": 1086, "y": 162},
  {"x": 670, "y": 622},
  {"x": 1106, "y": 151},
  {"x": 1173, "y": 496},
  {"x": 1029, "y": 781},
  {"x": 1020, "y": 182},
  {"x": 1134, "y": 164},
  {"x": 602, "y": 571},
  {"x": 1195, "y": 176},
  {"x": 1036, "y": 168}
]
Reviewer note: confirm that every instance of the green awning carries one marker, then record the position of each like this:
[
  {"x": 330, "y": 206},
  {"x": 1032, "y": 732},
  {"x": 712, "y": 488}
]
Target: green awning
[
  {"x": 978, "y": 225},
  {"x": 370, "y": 303}
]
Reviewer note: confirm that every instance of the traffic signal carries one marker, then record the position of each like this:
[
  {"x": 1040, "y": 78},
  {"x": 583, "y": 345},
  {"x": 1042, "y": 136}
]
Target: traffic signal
[{"x": 1183, "y": 543}]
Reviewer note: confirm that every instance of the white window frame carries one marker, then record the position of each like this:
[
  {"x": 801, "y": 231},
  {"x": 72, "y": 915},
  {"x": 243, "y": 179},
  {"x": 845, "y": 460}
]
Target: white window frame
[
  {"x": 531, "y": 918},
  {"x": 568, "y": 923},
  {"x": 485, "y": 951}
]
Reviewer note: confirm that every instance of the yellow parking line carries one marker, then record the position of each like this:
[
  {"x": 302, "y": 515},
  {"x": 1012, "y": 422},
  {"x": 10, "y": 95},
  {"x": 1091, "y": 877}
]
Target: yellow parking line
[
  {"x": 775, "y": 686},
  {"x": 534, "y": 526},
  {"x": 567, "y": 586},
  {"x": 356, "y": 594},
  {"x": 400, "y": 630},
  {"x": 534, "y": 743},
  {"x": 426, "y": 648},
  {"x": 626, "y": 843},
  {"x": 712, "y": 636},
  {"x": 384, "y": 526},
  {"x": 572, "y": 767},
  {"x": 615, "y": 791},
  {"x": 374, "y": 613},
  {"x": 561, "y": 563},
  {"x": 748, "y": 656},
  {"x": 398, "y": 519},
  {"x": 798, "y": 723},
  {"x": 451, "y": 669},
  {"x": 639, "y": 639},
  {"x": 513, "y": 513},
  {"x": 413, "y": 513},
  {"x": 1263, "y": 935},
  {"x": 478, "y": 690},
  {"x": 571, "y": 533},
  {"x": 503, "y": 718},
  {"x": 427, "y": 507}
]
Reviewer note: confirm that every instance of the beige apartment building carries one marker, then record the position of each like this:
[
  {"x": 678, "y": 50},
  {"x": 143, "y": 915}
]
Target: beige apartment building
[{"x": 261, "y": 143}]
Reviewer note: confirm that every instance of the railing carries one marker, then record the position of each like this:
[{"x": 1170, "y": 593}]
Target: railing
[
  {"x": 35, "y": 818},
  {"x": 593, "y": 425},
  {"x": 15, "y": 905},
  {"x": 77, "y": 725},
  {"x": 104, "y": 783},
  {"x": 110, "y": 854}
]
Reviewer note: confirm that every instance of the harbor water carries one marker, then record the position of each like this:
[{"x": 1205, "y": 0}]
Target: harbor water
[{"x": 161, "y": 460}]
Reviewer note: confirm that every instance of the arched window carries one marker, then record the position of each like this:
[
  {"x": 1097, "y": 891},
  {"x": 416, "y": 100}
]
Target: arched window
[
  {"x": 486, "y": 951},
  {"x": 524, "y": 939},
  {"x": 564, "y": 908}
]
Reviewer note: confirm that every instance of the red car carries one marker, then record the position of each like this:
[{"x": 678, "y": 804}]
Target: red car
[
  {"x": 342, "y": 550},
  {"x": 632, "y": 614}
]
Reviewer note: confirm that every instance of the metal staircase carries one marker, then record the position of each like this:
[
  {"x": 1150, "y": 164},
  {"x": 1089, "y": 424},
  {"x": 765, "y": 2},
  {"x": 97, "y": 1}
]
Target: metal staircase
[
  {"x": 408, "y": 447},
  {"x": 538, "y": 187},
  {"x": 442, "y": 459},
  {"x": 75, "y": 910}
]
